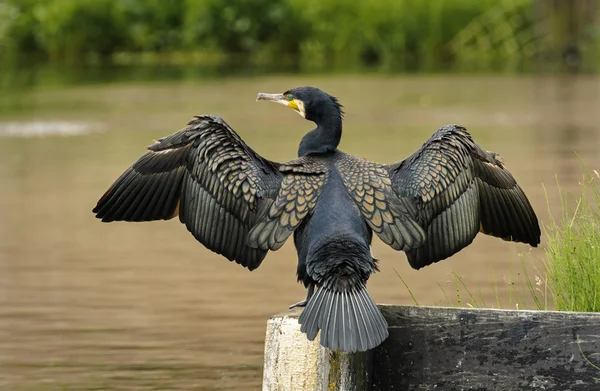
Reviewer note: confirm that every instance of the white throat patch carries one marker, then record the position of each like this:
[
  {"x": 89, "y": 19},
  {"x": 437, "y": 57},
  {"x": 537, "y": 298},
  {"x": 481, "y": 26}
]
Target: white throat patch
[{"x": 300, "y": 105}]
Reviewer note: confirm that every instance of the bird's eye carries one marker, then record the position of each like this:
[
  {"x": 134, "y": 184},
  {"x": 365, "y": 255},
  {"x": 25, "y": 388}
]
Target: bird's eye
[{"x": 289, "y": 97}]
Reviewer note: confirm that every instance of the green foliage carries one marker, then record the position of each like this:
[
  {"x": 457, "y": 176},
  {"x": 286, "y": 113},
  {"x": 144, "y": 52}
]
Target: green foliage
[
  {"x": 303, "y": 34},
  {"x": 243, "y": 26},
  {"x": 70, "y": 30},
  {"x": 573, "y": 250},
  {"x": 64, "y": 30},
  {"x": 390, "y": 33},
  {"x": 16, "y": 28},
  {"x": 152, "y": 25},
  {"x": 502, "y": 31}
]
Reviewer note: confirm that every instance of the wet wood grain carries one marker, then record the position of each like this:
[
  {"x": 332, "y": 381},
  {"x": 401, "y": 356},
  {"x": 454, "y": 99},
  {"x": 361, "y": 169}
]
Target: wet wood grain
[
  {"x": 433, "y": 348},
  {"x": 439, "y": 348}
]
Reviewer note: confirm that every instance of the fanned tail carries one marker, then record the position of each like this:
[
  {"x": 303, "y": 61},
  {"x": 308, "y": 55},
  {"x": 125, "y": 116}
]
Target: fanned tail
[{"x": 348, "y": 319}]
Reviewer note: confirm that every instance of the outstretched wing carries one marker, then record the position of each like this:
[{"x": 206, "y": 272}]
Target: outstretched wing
[
  {"x": 207, "y": 175},
  {"x": 460, "y": 189}
]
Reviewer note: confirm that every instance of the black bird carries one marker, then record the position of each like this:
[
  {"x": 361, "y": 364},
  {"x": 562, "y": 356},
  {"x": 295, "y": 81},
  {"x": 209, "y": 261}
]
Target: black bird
[{"x": 241, "y": 205}]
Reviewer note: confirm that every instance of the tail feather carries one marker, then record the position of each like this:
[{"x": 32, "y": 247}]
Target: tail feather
[{"x": 349, "y": 320}]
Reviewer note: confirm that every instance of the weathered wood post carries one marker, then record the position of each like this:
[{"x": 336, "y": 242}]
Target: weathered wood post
[{"x": 439, "y": 348}]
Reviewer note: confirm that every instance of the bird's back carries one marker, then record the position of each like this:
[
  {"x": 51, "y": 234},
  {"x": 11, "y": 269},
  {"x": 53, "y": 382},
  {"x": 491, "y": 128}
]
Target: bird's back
[
  {"x": 333, "y": 253},
  {"x": 335, "y": 216},
  {"x": 355, "y": 199}
]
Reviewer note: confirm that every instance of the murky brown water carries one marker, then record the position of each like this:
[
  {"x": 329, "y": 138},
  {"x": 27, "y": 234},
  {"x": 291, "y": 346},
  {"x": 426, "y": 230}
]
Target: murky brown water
[{"x": 90, "y": 306}]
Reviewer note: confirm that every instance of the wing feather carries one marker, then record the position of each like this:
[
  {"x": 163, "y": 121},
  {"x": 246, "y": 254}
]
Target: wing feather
[
  {"x": 301, "y": 186},
  {"x": 388, "y": 215},
  {"x": 207, "y": 175},
  {"x": 460, "y": 189}
]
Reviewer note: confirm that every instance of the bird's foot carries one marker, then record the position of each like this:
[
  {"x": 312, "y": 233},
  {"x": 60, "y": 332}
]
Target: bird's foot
[{"x": 302, "y": 303}]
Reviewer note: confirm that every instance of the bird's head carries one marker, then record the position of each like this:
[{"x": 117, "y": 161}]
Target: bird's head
[{"x": 310, "y": 102}]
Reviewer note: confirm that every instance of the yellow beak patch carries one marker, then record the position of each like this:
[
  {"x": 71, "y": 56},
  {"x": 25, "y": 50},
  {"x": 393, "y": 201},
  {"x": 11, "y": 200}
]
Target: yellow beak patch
[{"x": 297, "y": 105}]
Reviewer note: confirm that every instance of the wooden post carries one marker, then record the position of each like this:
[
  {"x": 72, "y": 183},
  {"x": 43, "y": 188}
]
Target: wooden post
[
  {"x": 292, "y": 362},
  {"x": 439, "y": 348}
]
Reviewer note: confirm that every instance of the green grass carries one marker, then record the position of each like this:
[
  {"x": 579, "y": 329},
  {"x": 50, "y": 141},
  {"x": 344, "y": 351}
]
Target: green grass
[{"x": 573, "y": 250}]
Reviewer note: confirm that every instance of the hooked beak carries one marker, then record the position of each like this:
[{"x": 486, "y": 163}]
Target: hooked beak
[
  {"x": 295, "y": 104},
  {"x": 272, "y": 97}
]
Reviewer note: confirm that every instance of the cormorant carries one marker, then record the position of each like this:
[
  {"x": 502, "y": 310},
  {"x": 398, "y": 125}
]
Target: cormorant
[{"x": 241, "y": 205}]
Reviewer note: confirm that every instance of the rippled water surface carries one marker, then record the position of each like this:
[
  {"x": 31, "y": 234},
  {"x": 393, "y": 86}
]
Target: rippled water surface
[{"x": 91, "y": 306}]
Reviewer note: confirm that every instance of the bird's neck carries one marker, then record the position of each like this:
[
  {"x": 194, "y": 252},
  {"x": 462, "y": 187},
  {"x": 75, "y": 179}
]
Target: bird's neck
[{"x": 324, "y": 139}]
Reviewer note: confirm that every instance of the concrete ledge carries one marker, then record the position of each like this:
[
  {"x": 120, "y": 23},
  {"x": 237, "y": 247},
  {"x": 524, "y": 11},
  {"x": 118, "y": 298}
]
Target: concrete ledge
[{"x": 439, "y": 348}]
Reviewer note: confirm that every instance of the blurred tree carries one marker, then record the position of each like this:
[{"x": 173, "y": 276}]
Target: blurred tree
[
  {"x": 74, "y": 31},
  {"x": 16, "y": 33},
  {"x": 153, "y": 25},
  {"x": 292, "y": 34},
  {"x": 243, "y": 26}
]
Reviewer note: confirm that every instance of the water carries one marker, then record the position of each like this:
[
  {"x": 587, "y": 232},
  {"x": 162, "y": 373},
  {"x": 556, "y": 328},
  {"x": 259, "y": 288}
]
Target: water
[{"x": 91, "y": 306}]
